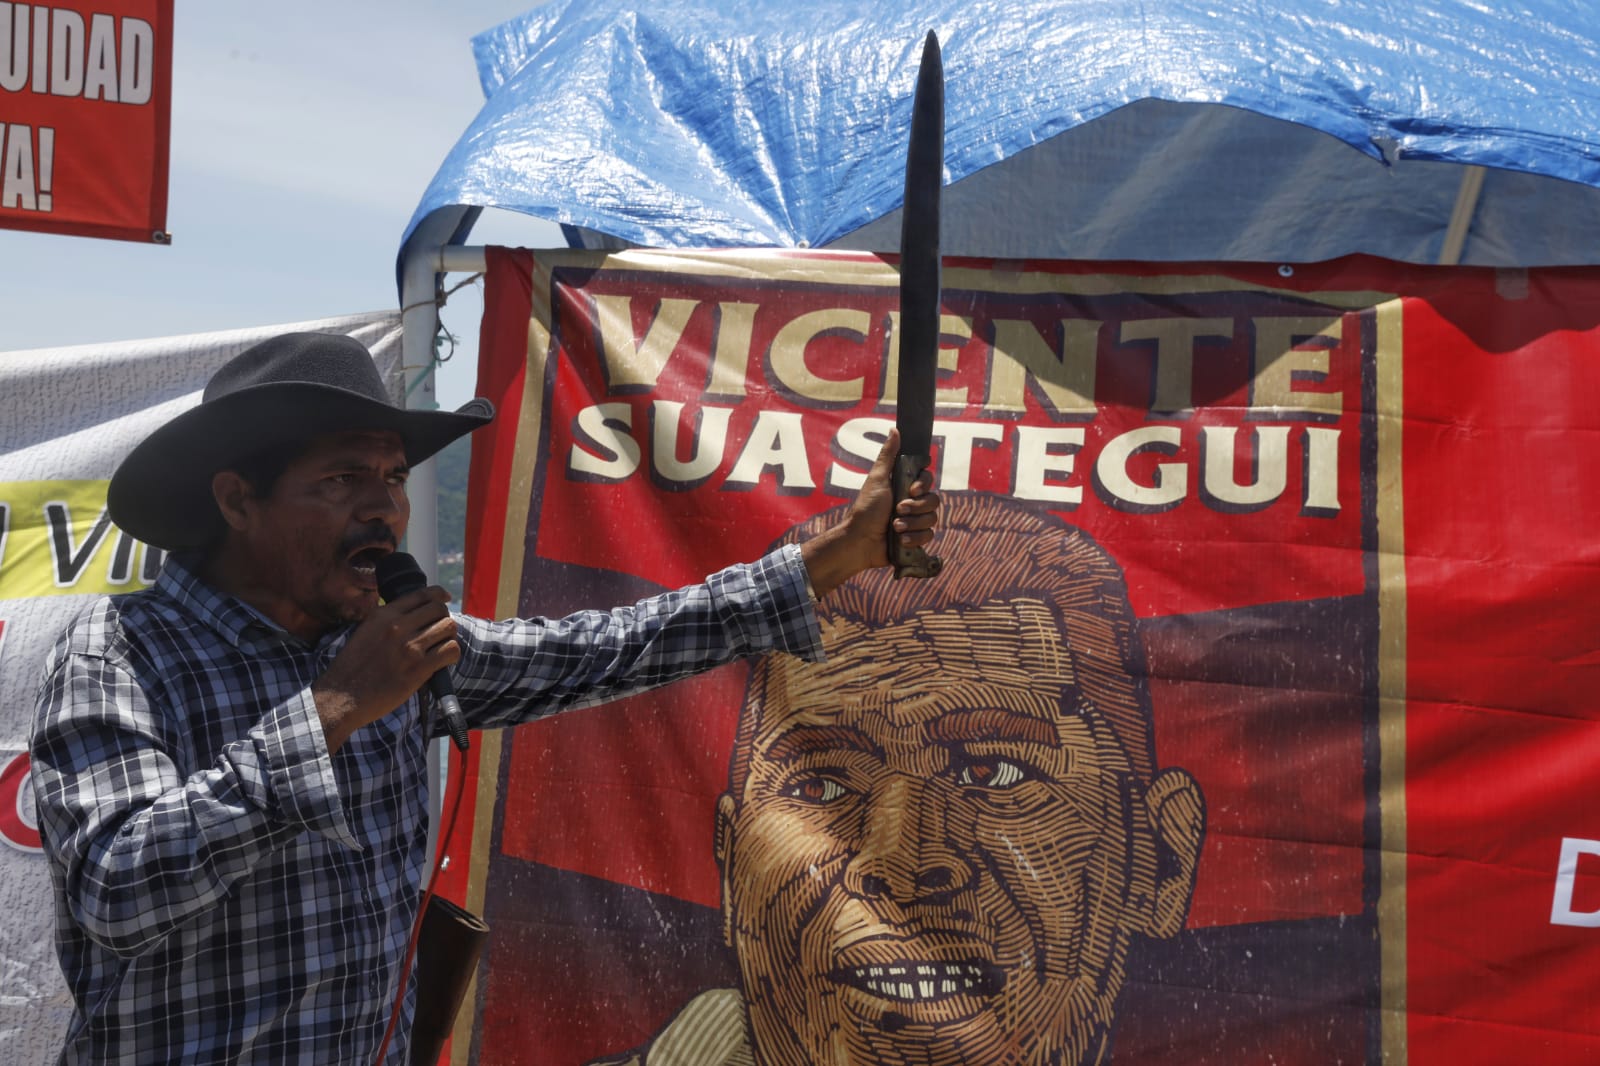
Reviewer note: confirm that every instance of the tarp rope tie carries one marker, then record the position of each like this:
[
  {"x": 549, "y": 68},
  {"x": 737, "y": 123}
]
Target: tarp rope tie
[{"x": 442, "y": 336}]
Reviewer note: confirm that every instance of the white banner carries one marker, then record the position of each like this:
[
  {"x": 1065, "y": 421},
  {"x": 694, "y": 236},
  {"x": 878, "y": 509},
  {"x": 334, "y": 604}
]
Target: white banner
[{"x": 67, "y": 416}]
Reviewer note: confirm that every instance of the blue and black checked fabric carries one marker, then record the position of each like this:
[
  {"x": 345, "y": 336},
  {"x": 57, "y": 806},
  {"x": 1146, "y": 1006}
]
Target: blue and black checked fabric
[{"x": 228, "y": 892}]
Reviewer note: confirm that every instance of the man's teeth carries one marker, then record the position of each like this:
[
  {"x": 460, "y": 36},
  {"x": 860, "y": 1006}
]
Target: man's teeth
[
  {"x": 919, "y": 981},
  {"x": 364, "y": 562}
]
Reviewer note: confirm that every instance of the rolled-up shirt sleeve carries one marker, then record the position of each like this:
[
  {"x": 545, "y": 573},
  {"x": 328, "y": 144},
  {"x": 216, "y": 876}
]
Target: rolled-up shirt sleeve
[
  {"x": 141, "y": 847},
  {"x": 514, "y": 670}
]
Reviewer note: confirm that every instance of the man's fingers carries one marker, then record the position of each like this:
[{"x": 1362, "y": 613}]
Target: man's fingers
[
  {"x": 891, "y": 445},
  {"x": 438, "y": 644},
  {"x": 419, "y": 629},
  {"x": 414, "y": 612},
  {"x": 917, "y": 515},
  {"x": 887, "y": 454},
  {"x": 923, "y": 484},
  {"x": 419, "y": 598},
  {"x": 922, "y": 503}
]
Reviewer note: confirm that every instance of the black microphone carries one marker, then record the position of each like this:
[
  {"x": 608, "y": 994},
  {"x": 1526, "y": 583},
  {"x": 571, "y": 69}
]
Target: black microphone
[{"x": 398, "y": 574}]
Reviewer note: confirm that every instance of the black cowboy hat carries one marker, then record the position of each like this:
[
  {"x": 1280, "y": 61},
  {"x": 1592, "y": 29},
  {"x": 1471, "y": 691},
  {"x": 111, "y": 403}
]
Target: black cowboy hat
[{"x": 278, "y": 393}]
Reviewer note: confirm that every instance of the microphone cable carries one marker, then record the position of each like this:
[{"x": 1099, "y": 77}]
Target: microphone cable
[{"x": 427, "y": 897}]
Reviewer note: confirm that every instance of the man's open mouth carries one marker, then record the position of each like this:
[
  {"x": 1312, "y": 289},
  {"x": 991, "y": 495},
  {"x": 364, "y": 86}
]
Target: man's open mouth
[
  {"x": 924, "y": 981},
  {"x": 365, "y": 561}
]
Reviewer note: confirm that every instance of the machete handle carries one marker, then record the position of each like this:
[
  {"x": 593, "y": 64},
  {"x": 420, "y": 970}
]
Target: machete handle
[{"x": 909, "y": 562}]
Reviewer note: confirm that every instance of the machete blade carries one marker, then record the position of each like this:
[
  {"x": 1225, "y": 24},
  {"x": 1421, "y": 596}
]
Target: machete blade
[{"x": 919, "y": 296}]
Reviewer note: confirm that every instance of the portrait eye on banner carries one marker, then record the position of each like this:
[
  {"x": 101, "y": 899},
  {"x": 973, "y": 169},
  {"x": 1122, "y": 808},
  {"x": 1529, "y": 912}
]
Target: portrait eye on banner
[{"x": 1168, "y": 765}]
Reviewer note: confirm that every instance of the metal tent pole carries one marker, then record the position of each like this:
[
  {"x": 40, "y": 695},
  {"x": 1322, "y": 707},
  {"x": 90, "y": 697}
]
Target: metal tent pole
[
  {"x": 1455, "y": 235},
  {"x": 419, "y": 321}
]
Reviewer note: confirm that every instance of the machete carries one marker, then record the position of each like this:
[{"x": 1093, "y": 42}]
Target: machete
[{"x": 919, "y": 298}]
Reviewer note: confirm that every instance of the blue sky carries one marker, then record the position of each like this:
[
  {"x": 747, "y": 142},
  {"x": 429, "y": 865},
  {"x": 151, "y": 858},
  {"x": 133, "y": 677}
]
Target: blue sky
[{"x": 303, "y": 136}]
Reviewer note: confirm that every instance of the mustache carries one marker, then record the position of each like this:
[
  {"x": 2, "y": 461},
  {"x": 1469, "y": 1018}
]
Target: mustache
[{"x": 372, "y": 535}]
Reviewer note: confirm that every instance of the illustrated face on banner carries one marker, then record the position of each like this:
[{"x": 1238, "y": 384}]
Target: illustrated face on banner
[{"x": 944, "y": 837}]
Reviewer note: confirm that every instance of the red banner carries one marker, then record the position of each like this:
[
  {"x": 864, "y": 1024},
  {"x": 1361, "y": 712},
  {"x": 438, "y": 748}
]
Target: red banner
[
  {"x": 1248, "y": 722},
  {"x": 87, "y": 104}
]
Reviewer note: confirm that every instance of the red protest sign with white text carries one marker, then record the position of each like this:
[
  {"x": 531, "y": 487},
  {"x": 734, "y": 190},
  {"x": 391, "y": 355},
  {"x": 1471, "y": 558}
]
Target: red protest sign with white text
[
  {"x": 1348, "y": 507},
  {"x": 85, "y": 118}
]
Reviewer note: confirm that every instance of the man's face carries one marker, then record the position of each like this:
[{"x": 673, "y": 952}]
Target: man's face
[
  {"x": 930, "y": 858},
  {"x": 313, "y": 540}
]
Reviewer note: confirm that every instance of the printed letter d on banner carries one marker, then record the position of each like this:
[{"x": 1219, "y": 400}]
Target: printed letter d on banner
[{"x": 1561, "y": 912}]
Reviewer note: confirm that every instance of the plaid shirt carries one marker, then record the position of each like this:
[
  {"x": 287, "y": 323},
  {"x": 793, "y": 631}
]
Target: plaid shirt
[{"x": 228, "y": 892}]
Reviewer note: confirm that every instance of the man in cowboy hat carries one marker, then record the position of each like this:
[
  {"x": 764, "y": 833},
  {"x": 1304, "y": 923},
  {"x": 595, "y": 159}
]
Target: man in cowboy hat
[{"x": 229, "y": 766}]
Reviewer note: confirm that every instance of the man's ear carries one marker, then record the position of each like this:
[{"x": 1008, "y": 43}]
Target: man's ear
[
  {"x": 231, "y": 493},
  {"x": 724, "y": 845},
  {"x": 1177, "y": 812}
]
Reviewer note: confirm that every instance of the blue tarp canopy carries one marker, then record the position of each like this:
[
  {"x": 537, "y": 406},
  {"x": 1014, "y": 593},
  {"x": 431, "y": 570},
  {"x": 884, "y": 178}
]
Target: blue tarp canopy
[{"x": 1293, "y": 131}]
